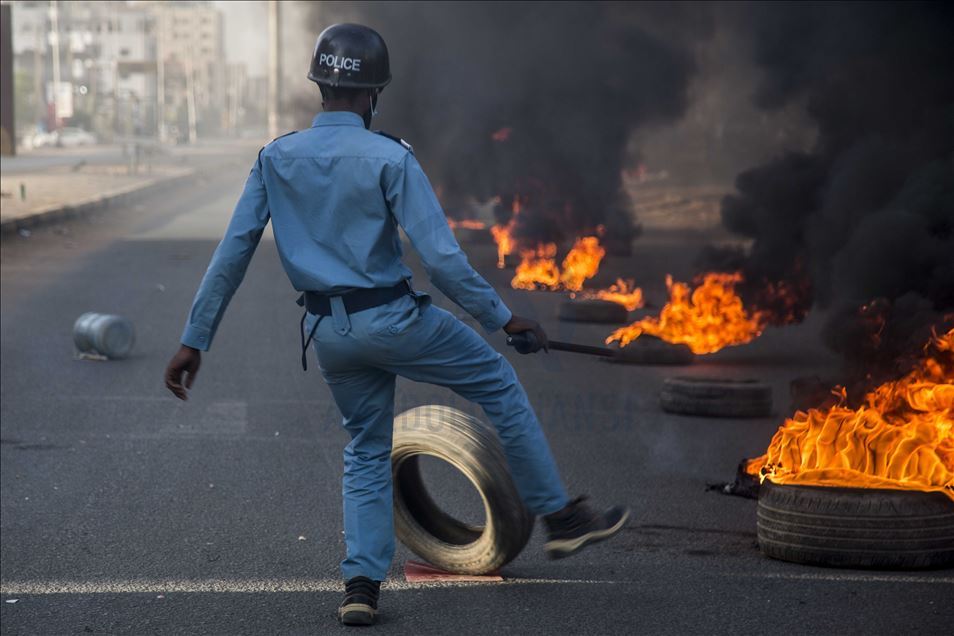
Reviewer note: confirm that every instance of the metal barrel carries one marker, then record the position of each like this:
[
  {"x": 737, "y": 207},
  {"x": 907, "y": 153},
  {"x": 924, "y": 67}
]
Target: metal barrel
[{"x": 105, "y": 334}]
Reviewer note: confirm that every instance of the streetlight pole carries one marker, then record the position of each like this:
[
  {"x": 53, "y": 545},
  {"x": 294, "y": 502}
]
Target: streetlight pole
[
  {"x": 190, "y": 94},
  {"x": 274, "y": 67},
  {"x": 55, "y": 50},
  {"x": 160, "y": 79}
]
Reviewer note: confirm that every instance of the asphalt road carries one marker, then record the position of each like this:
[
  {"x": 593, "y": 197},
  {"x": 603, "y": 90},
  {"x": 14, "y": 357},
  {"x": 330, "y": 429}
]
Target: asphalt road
[
  {"x": 52, "y": 157},
  {"x": 125, "y": 511}
]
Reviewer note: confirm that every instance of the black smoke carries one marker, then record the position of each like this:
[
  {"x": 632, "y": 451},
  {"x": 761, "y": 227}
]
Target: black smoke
[
  {"x": 868, "y": 214},
  {"x": 562, "y": 84}
]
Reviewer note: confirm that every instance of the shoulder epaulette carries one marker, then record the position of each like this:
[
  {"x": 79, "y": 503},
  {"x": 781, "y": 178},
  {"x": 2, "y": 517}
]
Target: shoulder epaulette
[
  {"x": 406, "y": 145},
  {"x": 273, "y": 141},
  {"x": 280, "y": 136}
]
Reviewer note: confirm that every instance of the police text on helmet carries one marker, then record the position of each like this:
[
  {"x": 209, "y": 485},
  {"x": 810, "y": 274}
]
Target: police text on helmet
[{"x": 346, "y": 63}]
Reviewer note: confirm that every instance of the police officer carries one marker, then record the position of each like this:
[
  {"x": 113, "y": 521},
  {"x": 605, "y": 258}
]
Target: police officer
[{"x": 336, "y": 194}]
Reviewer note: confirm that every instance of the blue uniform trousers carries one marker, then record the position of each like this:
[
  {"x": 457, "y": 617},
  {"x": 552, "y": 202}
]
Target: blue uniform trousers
[{"x": 360, "y": 355}]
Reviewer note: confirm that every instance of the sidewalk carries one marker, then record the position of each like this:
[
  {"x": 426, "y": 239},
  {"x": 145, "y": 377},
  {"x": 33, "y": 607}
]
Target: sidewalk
[
  {"x": 44, "y": 186},
  {"x": 40, "y": 193}
]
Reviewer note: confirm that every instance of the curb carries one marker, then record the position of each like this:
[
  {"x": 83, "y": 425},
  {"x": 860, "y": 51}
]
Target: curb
[{"x": 97, "y": 204}]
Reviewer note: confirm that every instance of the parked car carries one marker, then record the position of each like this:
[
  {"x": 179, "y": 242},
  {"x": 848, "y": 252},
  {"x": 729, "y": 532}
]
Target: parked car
[
  {"x": 68, "y": 137},
  {"x": 42, "y": 139},
  {"x": 71, "y": 136}
]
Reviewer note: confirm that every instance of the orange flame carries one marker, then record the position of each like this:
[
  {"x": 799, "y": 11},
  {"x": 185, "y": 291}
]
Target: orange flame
[
  {"x": 622, "y": 292},
  {"x": 466, "y": 224},
  {"x": 707, "y": 318},
  {"x": 503, "y": 234},
  {"x": 504, "y": 241},
  {"x": 538, "y": 268},
  {"x": 582, "y": 262},
  {"x": 901, "y": 437}
]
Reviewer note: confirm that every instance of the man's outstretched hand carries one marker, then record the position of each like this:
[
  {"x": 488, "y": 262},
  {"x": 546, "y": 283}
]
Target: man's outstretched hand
[
  {"x": 518, "y": 324},
  {"x": 184, "y": 364}
]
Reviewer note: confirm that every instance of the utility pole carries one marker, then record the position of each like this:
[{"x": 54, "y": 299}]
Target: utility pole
[
  {"x": 8, "y": 89},
  {"x": 234, "y": 96},
  {"x": 112, "y": 13},
  {"x": 39, "y": 111},
  {"x": 274, "y": 67},
  {"x": 190, "y": 85},
  {"x": 190, "y": 96},
  {"x": 55, "y": 49},
  {"x": 160, "y": 79}
]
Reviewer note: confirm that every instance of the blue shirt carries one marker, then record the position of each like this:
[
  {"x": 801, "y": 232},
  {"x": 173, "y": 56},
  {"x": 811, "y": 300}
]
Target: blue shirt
[{"x": 335, "y": 194}]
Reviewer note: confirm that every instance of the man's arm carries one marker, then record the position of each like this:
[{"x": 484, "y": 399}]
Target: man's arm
[
  {"x": 222, "y": 278},
  {"x": 229, "y": 262},
  {"x": 415, "y": 206}
]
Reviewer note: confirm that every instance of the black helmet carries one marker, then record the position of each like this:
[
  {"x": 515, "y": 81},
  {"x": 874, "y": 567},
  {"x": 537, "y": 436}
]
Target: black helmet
[{"x": 350, "y": 56}]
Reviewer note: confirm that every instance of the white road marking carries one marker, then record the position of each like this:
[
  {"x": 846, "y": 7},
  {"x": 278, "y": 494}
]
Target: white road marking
[
  {"x": 169, "y": 586},
  {"x": 247, "y": 586},
  {"x": 241, "y": 586},
  {"x": 852, "y": 577}
]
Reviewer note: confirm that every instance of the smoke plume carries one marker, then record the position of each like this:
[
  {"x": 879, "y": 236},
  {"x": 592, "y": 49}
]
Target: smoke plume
[
  {"x": 530, "y": 100},
  {"x": 868, "y": 213}
]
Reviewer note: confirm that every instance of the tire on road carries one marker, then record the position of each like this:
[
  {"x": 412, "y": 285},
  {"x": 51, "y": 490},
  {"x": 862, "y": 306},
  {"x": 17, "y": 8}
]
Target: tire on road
[
  {"x": 473, "y": 448},
  {"x": 593, "y": 310},
  {"x": 716, "y": 397},
  {"x": 856, "y": 527},
  {"x": 651, "y": 350}
]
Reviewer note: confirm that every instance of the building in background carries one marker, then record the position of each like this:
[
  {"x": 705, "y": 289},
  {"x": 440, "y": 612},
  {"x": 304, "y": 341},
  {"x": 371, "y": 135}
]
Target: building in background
[
  {"x": 31, "y": 66},
  {"x": 194, "y": 72},
  {"x": 111, "y": 63},
  {"x": 126, "y": 69},
  {"x": 86, "y": 64}
]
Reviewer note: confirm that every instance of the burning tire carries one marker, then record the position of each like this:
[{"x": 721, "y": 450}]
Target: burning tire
[
  {"x": 472, "y": 447},
  {"x": 714, "y": 397},
  {"x": 652, "y": 350},
  {"x": 856, "y": 527},
  {"x": 601, "y": 311}
]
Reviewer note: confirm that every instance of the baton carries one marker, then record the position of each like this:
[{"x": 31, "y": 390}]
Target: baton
[{"x": 526, "y": 342}]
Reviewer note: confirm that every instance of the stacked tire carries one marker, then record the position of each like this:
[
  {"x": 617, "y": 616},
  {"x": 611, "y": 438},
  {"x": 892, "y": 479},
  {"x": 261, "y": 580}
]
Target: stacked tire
[{"x": 856, "y": 527}]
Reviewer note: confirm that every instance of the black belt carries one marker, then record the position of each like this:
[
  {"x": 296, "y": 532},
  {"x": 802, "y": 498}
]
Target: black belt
[{"x": 354, "y": 301}]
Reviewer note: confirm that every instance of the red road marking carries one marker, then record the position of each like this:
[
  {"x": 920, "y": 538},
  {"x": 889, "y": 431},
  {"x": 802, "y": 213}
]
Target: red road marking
[{"x": 416, "y": 572}]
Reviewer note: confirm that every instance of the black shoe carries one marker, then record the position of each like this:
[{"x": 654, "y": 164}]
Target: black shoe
[
  {"x": 576, "y": 526},
  {"x": 360, "y": 604}
]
